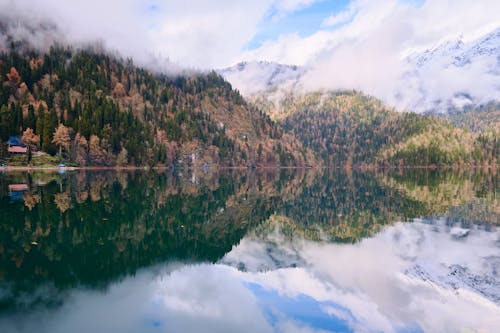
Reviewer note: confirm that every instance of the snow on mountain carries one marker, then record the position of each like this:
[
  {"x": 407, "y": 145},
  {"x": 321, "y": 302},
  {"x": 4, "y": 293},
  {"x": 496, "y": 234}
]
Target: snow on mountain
[
  {"x": 432, "y": 251},
  {"x": 449, "y": 75}
]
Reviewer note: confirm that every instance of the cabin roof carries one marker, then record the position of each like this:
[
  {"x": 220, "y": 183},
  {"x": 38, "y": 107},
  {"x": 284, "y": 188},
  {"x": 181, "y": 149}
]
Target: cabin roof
[{"x": 15, "y": 141}]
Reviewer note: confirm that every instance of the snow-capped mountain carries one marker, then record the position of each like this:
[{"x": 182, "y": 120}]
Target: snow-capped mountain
[
  {"x": 453, "y": 73},
  {"x": 434, "y": 251}
]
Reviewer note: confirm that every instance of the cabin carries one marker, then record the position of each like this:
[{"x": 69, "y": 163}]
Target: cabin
[
  {"x": 16, "y": 145},
  {"x": 16, "y": 191}
]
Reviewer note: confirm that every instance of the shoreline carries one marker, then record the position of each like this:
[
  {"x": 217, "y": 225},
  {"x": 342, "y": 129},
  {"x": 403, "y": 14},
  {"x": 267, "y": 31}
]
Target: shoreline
[{"x": 147, "y": 168}]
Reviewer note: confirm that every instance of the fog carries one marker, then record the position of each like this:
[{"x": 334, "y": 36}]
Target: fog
[{"x": 370, "y": 45}]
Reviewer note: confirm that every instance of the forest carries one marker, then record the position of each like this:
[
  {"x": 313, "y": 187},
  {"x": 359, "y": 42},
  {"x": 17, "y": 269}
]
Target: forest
[
  {"x": 349, "y": 128},
  {"x": 89, "y": 108}
]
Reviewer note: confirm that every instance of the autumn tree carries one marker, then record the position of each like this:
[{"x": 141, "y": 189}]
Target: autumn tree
[
  {"x": 31, "y": 140},
  {"x": 80, "y": 150},
  {"x": 122, "y": 158},
  {"x": 14, "y": 78},
  {"x": 97, "y": 155},
  {"x": 62, "y": 138}
]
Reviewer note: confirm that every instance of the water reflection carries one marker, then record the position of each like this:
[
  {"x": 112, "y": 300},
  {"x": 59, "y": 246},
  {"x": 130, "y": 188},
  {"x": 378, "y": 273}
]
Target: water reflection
[
  {"x": 409, "y": 276},
  {"x": 258, "y": 252}
]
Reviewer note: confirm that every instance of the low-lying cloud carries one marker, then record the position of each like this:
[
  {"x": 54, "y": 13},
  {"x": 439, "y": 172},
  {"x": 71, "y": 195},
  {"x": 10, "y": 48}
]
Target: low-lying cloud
[
  {"x": 191, "y": 33},
  {"x": 365, "y": 46},
  {"x": 372, "y": 48}
]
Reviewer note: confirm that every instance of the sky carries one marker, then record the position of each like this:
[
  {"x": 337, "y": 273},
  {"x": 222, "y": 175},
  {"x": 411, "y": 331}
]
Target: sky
[
  {"x": 208, "y": 34},
  {"x": 353, "y": 44}
]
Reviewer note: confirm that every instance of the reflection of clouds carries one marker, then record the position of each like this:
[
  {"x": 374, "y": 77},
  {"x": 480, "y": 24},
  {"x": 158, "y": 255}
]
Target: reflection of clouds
[
  {"x": 207, "y": 298},
  {"x": 275, "y": 252},
  {"x": 115, "y": 310},
  {"x": 410, "y": 274},
  {"x": 410, "y": 277}
]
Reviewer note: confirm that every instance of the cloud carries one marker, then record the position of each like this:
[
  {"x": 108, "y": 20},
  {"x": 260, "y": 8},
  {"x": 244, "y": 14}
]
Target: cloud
[
  {"x": 409, "y": 276},
  {"x": 207, "y": 34},
  {"x": 191, "y": 33},
  {"x": 293, "y": 5},
  {"x": 362, "y": 47},
  {"x": 342, "y": 17},
  {"x": 368, "y": 52}
]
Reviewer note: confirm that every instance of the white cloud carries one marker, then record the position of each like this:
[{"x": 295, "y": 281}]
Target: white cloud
[
  {"x": 403, "y": 276},
  {"x": 342, "y": 17},
  {"x": 409, "y": 275},
  {"x": 365, "y": 50},
  {"x": 191, "y": 33},
  {"x": 368, "y": 53},
  {"x": 293, "y": 5},
  {"x": 207, "y": 34}
]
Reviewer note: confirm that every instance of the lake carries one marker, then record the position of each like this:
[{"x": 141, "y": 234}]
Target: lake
[{"x": 250, "y": 251}]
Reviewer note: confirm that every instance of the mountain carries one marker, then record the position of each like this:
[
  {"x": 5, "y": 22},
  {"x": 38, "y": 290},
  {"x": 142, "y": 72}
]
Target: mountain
[
  {"x": 482, "y": 119},
  {"x": 354, "y": 129},
  {"x": 98, "y": 109},
  {"x": 88, "y": 107},
  {"x": 451, "y": 75},
  {"x": 453, "y": 87},
  {"x": 28, "y": 33},
  {"x": 448, "y": 76}
]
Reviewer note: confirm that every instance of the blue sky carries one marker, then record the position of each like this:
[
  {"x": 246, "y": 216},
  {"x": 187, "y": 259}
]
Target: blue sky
[{"x": 304, "y": 22}]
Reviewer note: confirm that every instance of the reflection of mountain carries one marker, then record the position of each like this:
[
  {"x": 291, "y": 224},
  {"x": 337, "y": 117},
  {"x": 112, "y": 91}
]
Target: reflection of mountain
[
  {"x": 94, "y": 228},
  {"x": 462, "y": 196},
  {"x": 103, "y": 226},
  {"x": 347, "y": 207},
  {"x": 408, "y": 266}
]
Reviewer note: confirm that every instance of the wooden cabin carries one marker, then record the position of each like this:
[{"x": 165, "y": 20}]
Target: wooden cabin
[{"x": 16, "y": 145}]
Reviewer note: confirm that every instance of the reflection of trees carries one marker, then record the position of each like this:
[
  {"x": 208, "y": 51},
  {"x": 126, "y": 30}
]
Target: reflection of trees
[
  {"x": 62, "y": 201},
  {"x": 72, "y": 238},
  {"x": 347, "y": 206},
  {"x": 91, "y": 228},
  {"x": 467, "y": 195},
  {"x": 31, "y": 200}
]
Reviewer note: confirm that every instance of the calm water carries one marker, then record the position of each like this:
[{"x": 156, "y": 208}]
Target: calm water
[{"x": 414, "y": 251}]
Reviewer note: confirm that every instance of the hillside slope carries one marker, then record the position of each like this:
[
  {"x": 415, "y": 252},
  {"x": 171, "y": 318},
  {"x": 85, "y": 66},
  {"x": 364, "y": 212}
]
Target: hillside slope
[
  {"x": 348, "y": 128},
  {"x": 117, "y": 113}
]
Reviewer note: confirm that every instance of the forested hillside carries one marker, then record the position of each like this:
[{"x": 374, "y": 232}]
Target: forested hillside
[
  {"x": 350, "y": 128},
  {"x": 89, "y": 108},
  {"x": 482, "y": 119}
]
